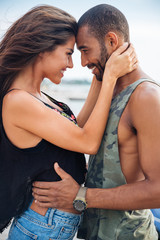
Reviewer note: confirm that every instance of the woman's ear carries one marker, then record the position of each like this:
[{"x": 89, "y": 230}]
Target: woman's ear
[{"x": 111, "y": 42}]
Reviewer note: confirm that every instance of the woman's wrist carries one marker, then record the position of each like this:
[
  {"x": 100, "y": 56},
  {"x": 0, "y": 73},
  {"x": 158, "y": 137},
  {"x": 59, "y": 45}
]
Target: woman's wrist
[{"x": 109, "y": 80}]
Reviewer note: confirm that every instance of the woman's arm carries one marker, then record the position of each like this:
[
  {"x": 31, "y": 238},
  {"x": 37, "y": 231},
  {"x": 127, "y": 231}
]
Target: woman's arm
[
  {"x": 27, "y": 113},
  {"x": 90, "y": 102}
]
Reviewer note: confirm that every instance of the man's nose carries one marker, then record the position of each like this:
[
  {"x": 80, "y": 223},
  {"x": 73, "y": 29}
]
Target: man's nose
[{"x": 84, "y": 61}]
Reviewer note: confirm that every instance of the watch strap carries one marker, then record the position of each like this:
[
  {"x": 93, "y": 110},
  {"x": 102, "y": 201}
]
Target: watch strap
[{"x": 82, "y": 192}]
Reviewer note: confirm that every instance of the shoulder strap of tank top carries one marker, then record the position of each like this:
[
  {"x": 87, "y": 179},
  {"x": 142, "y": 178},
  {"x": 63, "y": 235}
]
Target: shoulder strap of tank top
[
  {"x": 12, "y": 90},
  {"x": 32, "y": 96},
  {"x": 124, "y": 96}
]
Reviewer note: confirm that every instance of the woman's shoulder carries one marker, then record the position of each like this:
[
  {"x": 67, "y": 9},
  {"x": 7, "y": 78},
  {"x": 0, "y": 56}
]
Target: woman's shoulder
[
  {"x": 14, "y": 94},
  {"x": 17, "y": 98}
]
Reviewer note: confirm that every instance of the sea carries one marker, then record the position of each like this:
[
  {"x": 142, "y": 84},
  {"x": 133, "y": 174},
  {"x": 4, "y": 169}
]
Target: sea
[{"x": 71, "y": 92}]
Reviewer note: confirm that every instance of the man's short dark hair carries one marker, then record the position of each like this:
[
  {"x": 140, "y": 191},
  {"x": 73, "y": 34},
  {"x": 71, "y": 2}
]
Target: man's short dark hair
[{"x": 104, "y": 18}]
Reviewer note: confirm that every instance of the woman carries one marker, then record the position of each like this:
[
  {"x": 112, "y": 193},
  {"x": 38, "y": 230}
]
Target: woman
[{"x": 35, "y": 129}]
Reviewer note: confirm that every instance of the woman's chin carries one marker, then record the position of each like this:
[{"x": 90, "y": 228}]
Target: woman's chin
[{"x": 56, "y": 81}]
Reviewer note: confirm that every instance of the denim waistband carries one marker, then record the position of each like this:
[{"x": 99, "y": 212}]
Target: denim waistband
[{"x": 54, "y": 214}]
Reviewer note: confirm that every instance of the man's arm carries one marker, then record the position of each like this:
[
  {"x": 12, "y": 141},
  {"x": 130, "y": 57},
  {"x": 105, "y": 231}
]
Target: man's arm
[{"x": 145, "y": 115}]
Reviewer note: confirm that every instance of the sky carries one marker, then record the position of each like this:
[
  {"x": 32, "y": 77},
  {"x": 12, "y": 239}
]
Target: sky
[{"x": 143, "y": 17}]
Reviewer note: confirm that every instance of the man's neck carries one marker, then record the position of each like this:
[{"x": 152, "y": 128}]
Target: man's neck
[{"x": 128, "y": 79}]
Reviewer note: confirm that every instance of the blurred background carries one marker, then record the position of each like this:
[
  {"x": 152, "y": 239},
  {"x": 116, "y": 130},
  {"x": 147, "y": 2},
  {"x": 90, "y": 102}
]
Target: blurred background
[{"x": 144, "y": 21}]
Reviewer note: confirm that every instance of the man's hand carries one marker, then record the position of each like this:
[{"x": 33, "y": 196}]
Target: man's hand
[{"x": 56, "y": 194}]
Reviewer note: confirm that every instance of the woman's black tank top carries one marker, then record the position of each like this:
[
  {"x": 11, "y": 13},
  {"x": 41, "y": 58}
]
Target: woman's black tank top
[{"x": 20, "y": 167}]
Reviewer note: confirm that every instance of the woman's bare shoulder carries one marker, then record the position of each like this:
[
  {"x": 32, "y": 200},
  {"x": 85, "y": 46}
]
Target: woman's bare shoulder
[{"x": 17, "y": 99}]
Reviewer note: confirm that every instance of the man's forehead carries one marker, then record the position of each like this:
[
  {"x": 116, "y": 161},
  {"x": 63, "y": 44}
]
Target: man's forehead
[
  {"x": 83, "y": 37},
  {"x": 82, "y": 34},
  {"x": 83, "y": 30}
]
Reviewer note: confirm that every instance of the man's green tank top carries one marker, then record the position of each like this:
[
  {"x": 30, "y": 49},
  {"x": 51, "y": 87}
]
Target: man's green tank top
[{"x": 105, "y": 172}]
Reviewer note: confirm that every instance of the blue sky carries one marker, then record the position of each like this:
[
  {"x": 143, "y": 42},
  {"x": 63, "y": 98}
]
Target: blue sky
[{"x": 143, "y": 17}]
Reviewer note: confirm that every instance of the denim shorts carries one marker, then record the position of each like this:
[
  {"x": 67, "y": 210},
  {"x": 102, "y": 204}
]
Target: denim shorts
[{"x": 55, "y": 224}]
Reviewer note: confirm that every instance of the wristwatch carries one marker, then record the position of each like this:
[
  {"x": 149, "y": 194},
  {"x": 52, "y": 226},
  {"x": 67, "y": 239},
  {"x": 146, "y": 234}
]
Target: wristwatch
[{"x": 79, "y": 202}]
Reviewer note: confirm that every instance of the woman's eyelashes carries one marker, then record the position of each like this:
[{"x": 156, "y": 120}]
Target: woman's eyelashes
[{"x": 69, "y": 53}]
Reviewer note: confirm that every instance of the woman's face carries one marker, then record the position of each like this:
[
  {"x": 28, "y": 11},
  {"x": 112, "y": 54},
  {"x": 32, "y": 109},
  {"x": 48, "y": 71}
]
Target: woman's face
[{"x": 56, "y": 62}]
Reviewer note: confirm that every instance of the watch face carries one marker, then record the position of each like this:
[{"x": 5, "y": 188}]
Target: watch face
[{"x": 79, "y": 205}]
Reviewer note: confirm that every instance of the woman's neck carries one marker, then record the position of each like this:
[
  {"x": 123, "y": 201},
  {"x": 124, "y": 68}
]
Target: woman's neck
[{"x": 29, "y": 80}]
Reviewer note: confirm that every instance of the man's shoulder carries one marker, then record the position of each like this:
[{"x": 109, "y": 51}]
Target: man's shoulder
[
  {"x": 145, "y": 101},
  {"x": 146, "y": 92}
]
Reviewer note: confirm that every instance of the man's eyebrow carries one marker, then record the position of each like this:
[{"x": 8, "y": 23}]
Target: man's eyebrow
[
  {"x": 82, "y": 47},
  {"x": 70, "y": 50}
]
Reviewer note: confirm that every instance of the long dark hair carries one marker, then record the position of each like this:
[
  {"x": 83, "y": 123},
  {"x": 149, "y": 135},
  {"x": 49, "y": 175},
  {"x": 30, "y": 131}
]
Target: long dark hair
[{"x": 41, "y": 29}]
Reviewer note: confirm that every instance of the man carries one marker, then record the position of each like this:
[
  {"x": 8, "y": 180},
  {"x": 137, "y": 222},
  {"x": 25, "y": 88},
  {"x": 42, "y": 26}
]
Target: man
[{"x": 124, "y": 174}]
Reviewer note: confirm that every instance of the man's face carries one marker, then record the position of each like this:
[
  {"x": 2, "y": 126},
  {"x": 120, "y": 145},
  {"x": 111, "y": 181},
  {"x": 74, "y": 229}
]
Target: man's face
[{"x": 93, "y": 53}]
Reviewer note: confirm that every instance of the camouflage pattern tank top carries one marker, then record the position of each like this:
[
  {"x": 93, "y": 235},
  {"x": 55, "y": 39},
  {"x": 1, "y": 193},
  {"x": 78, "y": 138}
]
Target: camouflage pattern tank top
[{"x": 105, "y": 172}]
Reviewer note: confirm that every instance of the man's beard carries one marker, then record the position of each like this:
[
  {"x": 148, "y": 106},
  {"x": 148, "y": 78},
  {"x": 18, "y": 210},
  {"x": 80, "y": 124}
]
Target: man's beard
[
  {"x": 100, "y": 65},
  {"x": 104, "y": 56}
]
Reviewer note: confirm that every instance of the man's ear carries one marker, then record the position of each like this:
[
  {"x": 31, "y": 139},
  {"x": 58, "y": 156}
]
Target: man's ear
[{"x": 111, "y": 42}]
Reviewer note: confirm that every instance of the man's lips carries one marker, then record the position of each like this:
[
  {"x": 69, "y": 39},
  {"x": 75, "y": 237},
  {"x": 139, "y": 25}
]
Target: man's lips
[{"x": 92, "y": 67}]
